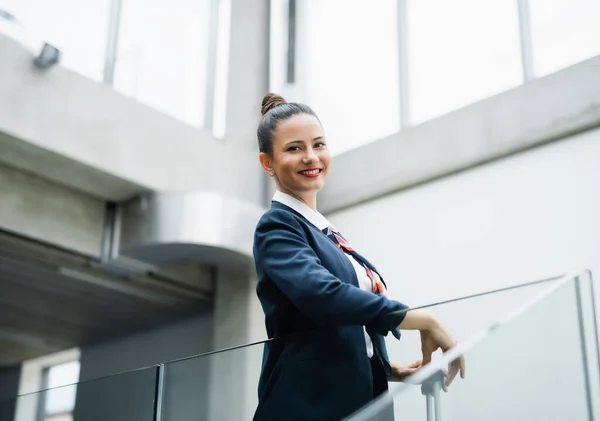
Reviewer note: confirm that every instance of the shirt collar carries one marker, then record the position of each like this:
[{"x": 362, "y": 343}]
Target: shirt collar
[{"x": 313, "y": 216}]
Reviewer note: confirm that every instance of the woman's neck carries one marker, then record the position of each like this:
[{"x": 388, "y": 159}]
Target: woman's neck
[{"x": 309, "y": 200}]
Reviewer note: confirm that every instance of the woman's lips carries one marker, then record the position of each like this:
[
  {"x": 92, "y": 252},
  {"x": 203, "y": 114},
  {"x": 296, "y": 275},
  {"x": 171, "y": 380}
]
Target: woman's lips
[{"x": 311, "y": 173}]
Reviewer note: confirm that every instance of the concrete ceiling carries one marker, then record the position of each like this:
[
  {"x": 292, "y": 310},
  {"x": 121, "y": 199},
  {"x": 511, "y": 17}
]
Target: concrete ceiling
[{"x": 51, "y": 300}]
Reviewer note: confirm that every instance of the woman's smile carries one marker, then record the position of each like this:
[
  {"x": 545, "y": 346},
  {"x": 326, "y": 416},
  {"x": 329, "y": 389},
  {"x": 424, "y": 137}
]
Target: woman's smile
[{"x": 311, "y": 172}]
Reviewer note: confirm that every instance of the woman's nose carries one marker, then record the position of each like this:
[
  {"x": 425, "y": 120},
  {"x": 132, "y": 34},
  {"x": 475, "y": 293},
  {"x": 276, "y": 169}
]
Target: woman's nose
[{"x": 310, "y": 156}]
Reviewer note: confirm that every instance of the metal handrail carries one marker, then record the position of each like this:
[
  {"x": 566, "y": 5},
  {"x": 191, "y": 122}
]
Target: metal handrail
[{"x": 421, "y": 374}]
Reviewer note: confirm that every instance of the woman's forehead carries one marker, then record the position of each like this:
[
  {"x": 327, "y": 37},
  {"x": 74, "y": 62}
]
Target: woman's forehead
[{"x": 300, "y": 127}]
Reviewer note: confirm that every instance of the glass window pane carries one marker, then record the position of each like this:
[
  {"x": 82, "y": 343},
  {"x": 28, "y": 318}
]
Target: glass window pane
[
  {"x": 460, "y": 51},
  {"x": 349, "y": 68},
  {"x": 78, "y": 28},
  {"x": 564, "y": 32},
  {"x": 161, "y": 59},
  {"x": 60, "y": 400}
]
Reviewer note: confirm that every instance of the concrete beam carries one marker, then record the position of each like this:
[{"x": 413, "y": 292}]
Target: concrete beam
[
  {"x": 36, "y": 208},
  {"x": 65, "y": 171},
  {"x": 544, "y": 110}
]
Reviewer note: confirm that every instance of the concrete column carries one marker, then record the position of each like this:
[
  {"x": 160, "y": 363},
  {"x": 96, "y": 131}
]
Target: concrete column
[
  {"x": 238, "y": 319},
  {"x": 247, "y": 83}
]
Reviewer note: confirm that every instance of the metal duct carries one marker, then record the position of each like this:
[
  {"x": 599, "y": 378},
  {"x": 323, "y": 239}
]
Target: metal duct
[{"x": 165, "y": 228}]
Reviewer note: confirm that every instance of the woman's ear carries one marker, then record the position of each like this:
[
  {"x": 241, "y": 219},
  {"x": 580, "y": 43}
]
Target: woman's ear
[{"x": 265, "y": 161}]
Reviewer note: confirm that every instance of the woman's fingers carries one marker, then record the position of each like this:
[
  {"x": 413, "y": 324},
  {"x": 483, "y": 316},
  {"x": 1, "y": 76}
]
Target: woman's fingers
[
  {"x": 455, "y": 367},
  {"x": 417, "y": 364}
]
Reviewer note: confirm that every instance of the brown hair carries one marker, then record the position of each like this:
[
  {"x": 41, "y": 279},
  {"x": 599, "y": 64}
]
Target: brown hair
[
  {"x": 271, "y": 101},
  {"x": 274, "y": 110}
]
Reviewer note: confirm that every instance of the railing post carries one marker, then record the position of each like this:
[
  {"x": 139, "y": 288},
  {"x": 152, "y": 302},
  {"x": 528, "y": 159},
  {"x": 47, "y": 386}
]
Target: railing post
[
  {"x": 159, "y": 393},
  {"x": 431, "y": 389},
  {"x": 584, "y": 350}
]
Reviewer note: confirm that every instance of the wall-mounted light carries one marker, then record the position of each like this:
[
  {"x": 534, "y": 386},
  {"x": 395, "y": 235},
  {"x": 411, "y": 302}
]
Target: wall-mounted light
[{"x": 47, "y": 57}]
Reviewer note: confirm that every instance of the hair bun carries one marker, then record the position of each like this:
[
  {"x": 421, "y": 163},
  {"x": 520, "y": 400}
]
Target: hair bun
[{"x": 271, "y": 101}]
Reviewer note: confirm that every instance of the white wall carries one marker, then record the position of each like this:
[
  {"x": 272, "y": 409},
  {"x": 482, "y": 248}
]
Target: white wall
[
  {"x": 520, "y": 219},
  {"x": 515, "y": 220}
]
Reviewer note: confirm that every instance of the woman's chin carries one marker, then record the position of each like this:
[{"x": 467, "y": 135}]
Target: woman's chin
[{"x": 314, "y": 187}]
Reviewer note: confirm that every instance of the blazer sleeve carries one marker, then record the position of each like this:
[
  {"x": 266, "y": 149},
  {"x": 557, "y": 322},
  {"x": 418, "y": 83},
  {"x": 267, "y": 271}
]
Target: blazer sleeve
[{"x": 294, "y": 267}]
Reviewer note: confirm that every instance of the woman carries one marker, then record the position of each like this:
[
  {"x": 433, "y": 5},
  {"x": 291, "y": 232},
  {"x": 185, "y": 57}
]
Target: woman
[{"x": 325, "y": 305}]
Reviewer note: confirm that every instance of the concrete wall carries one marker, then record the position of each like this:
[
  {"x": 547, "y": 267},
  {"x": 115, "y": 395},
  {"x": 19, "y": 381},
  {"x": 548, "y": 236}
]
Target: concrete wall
[
  {"x": 532, "y": 114},
  {"x": 9, "y": 388},
  {"x": 131, "y": 396},
  {"x": 177, "y": 340},
  {"x": 34, "y": 207},
  {"x": 519, "y": 219}
]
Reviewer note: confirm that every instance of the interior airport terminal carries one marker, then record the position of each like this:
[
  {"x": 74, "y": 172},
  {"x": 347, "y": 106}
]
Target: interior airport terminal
[{"x": 462, "y": 158}]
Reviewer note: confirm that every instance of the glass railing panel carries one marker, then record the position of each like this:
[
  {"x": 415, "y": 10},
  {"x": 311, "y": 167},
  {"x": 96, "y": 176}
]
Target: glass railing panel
[
  {"x": 467, "y": 316},
  {"x": 56, "y": 403},
  {"x": 223, "y": 385},
  {"x": 219, "y": 386},
  {"x": 528, "y": 366},
  {"x": 25, "y": 406},
  {"x": 122, "y": 397},
  {"x": 587, "y": 300}
]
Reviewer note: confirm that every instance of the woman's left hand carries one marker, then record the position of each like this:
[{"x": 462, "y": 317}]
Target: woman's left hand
[{"x": 401, "y": 372}]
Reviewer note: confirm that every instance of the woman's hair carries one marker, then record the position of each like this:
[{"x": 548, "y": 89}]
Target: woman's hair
[{"x": 274, "y": 110}]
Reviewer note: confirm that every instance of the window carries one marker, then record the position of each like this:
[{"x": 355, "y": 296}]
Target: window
[
  {"x": 162, "y": 55},
  {"x": 78, "y": 28},
  {"x": 459, "y": 52},
  {"x": 58, "y": 402},
  {"x": 53, "y": 370},
  {"x": 348, "y": 68},
  {"x": 564, "y": 32}
]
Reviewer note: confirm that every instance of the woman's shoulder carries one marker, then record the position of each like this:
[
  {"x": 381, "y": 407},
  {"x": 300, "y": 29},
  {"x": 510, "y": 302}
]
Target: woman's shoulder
[
  {"x": 281, "y": 216},
  {"x": 279, "y": 213}
]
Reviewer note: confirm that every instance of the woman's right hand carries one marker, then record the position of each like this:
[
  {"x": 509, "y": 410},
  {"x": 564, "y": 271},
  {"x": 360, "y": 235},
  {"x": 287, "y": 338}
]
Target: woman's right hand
[{"x": 433, "y": 337}]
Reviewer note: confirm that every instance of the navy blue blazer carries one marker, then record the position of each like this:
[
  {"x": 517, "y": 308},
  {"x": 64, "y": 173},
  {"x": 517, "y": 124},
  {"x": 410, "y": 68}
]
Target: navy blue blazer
[{"x": 316, "y": 368}]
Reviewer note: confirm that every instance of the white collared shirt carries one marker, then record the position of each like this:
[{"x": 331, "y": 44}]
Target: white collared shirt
[{"x": 319, "y": 221}]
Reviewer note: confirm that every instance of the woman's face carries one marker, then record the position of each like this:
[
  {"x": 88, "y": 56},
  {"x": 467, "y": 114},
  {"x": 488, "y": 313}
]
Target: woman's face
[{"x": 300, "y": 160}]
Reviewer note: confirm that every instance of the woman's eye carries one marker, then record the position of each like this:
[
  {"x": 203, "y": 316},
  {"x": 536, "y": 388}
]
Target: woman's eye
[
  {"x": 320, "y": 145},
  {"x": 294, "y": 148}
]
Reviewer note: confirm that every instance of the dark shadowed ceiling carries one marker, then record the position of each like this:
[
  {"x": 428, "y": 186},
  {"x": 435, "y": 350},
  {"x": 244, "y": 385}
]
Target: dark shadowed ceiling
[{"x": 52, "y": 299}]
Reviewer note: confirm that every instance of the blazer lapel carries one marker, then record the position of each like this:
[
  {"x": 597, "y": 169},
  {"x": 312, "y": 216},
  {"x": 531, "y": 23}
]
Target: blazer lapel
[{"x": 365, "y": 262}]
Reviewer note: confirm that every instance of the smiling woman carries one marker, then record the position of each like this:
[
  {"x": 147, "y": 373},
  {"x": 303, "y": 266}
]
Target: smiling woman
[
  {"x": 297, "y": 157},
  {"x": 326, "y": 306}
]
